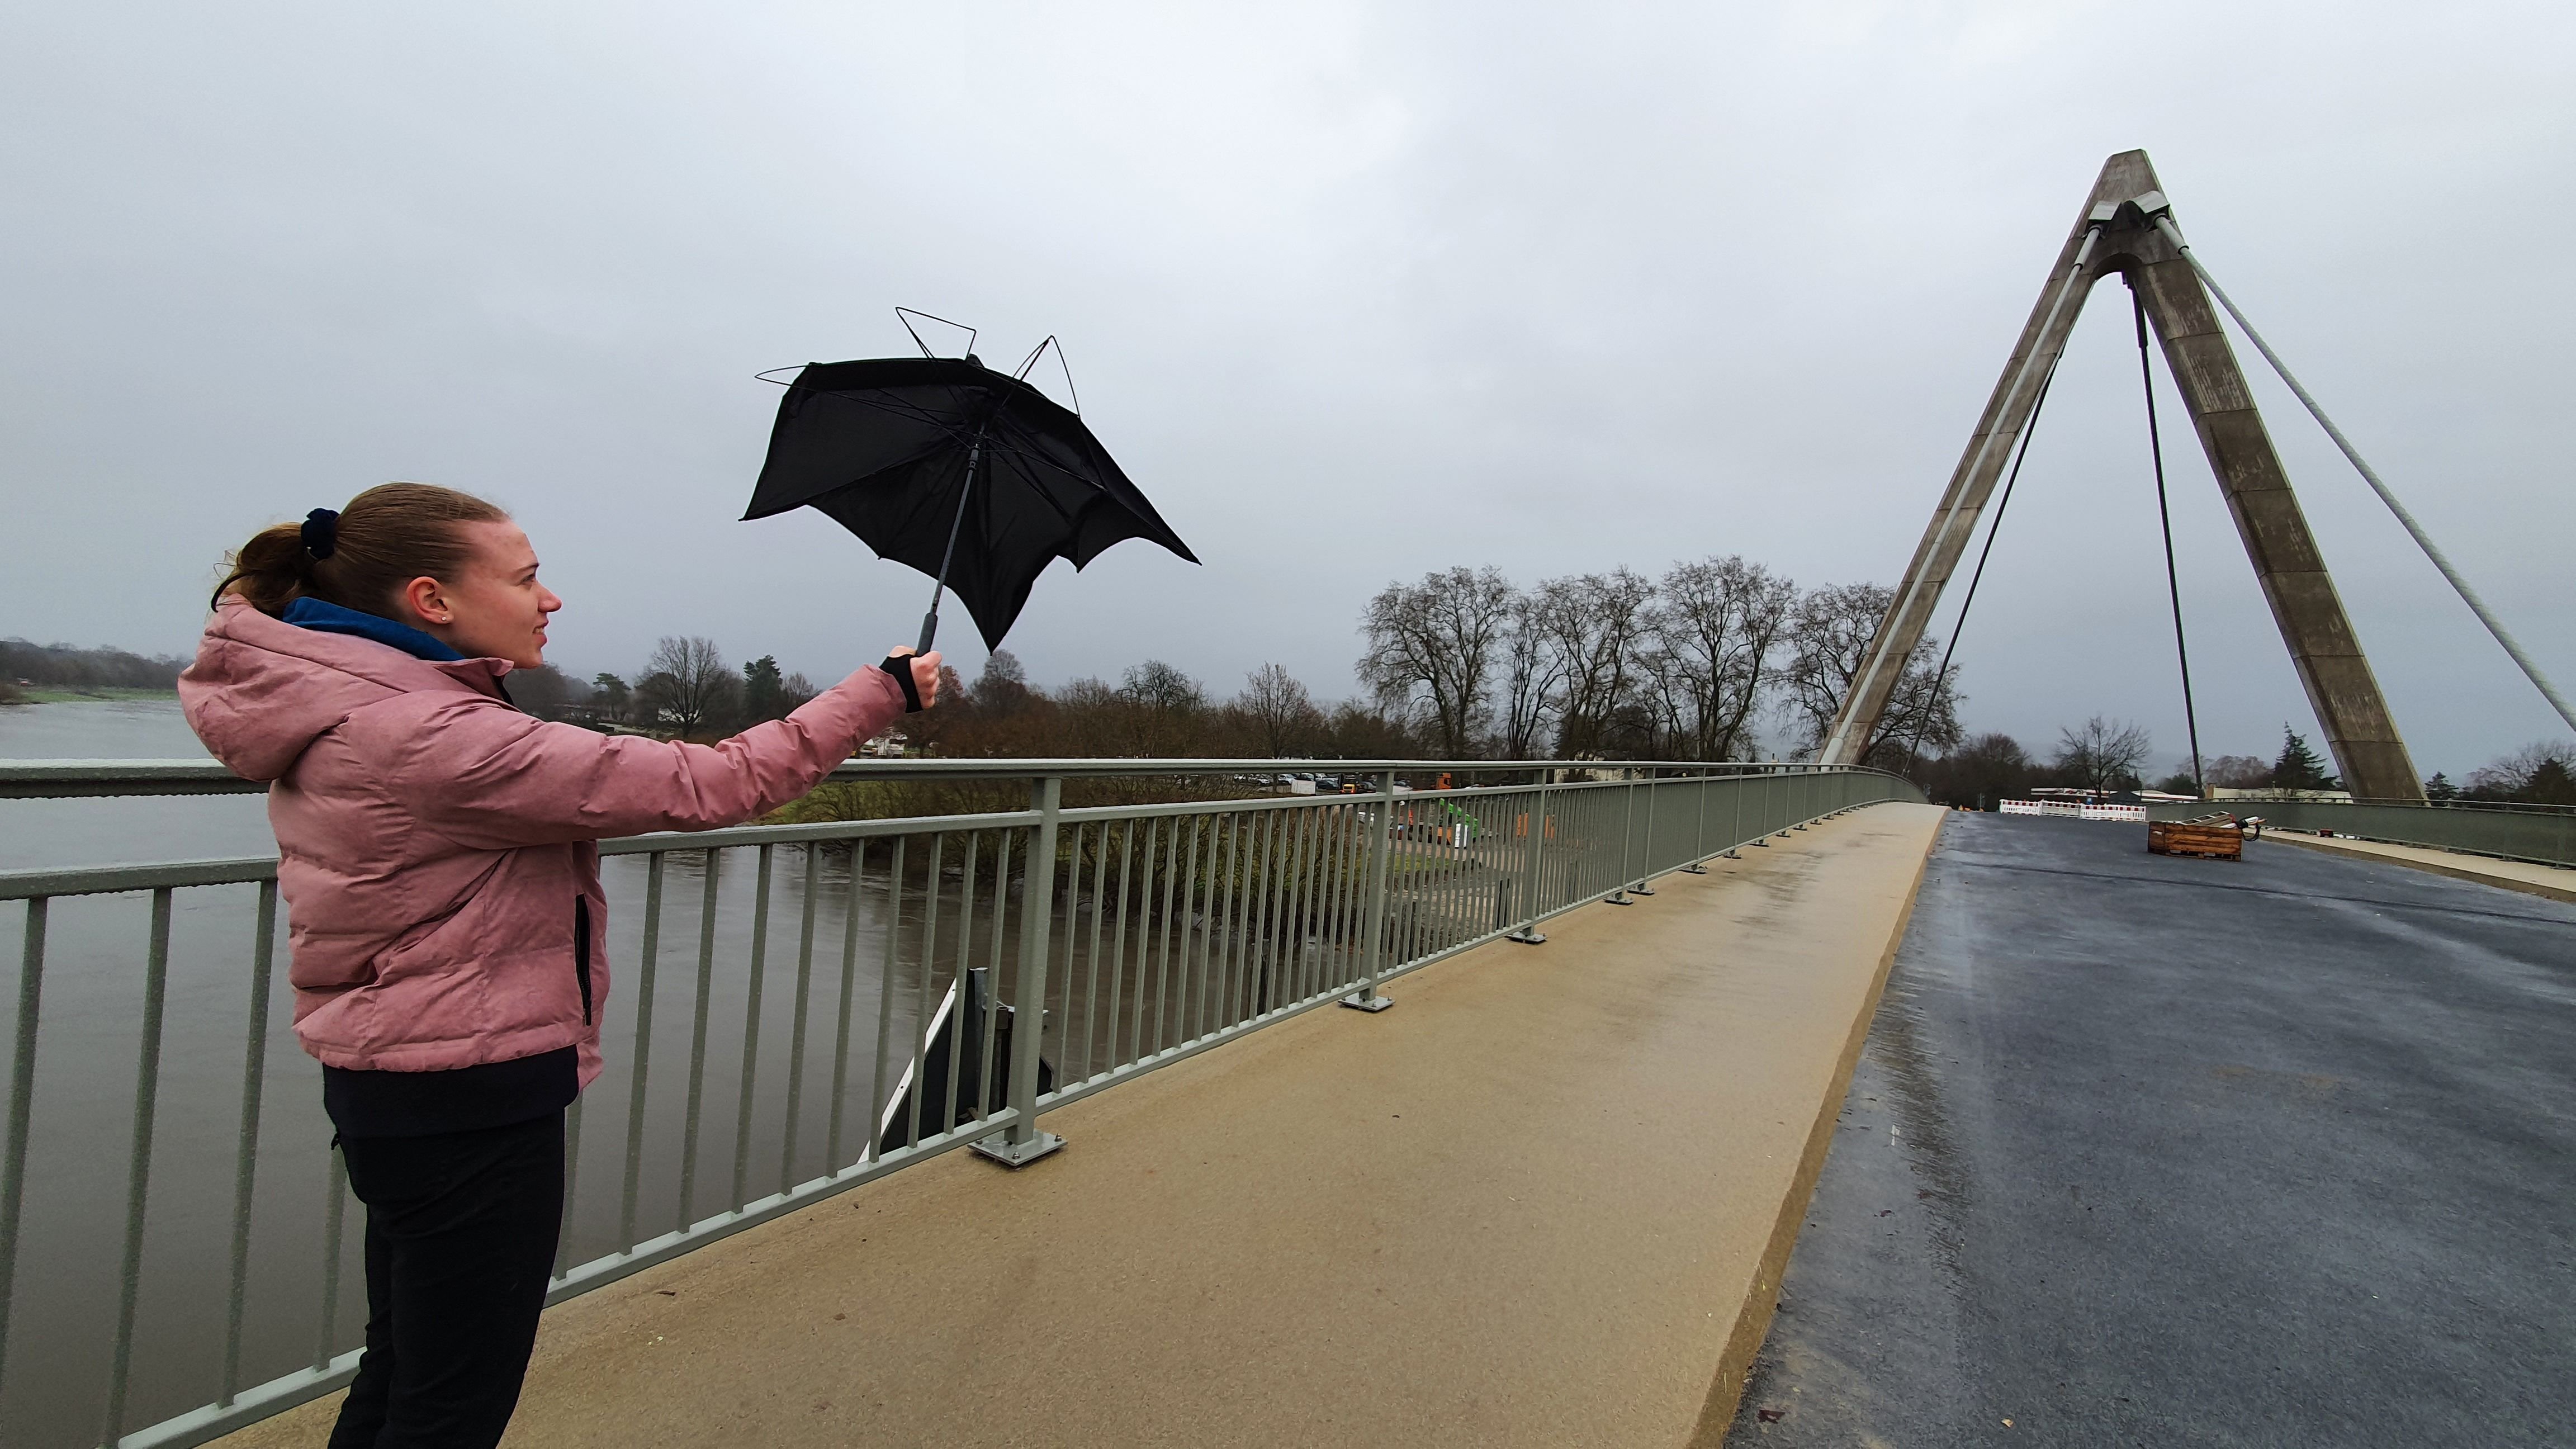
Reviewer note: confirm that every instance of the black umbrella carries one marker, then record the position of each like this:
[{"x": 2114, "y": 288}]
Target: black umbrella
[{"x": 970, "y": 475}]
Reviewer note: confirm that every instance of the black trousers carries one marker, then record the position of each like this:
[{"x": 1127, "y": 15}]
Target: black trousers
[{"x": 461, "y": 1231}]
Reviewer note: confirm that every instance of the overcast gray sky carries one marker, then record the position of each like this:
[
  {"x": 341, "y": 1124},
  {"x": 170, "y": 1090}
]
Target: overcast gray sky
[{"x": 1352, "y": 292}]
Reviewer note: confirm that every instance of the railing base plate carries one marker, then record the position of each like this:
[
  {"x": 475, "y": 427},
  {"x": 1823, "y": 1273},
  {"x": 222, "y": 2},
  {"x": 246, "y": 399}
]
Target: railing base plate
[
  {"x": 1371, "y": 1002},
  {"x": 1527, "y": 936},
  {"x": 1694, "y": 868},
  {"x": 1641, "y": 889},
  {"x": 1016, "y": 1154}
]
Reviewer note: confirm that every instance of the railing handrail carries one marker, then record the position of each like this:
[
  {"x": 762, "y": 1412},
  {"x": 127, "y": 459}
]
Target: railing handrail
[
  {"x": 2294, "y": 797},
  {"x": 19, "y": 885},
  {"x": 39, "y": 779}
]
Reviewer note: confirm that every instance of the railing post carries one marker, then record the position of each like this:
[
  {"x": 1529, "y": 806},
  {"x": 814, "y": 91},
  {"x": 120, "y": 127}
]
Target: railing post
[
  {"x": 1646, "y": 848},
  {"x": 1373, "y": 946},
  {"x": 22, "y": 1094},
  {"x": 1022, "y": 1143},
  {"x": 1699, "y": 827},
  {"x": 1535, "y": 827}
]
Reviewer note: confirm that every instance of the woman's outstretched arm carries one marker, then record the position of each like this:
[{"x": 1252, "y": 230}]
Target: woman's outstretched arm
[{"x": 486, "y": 776}]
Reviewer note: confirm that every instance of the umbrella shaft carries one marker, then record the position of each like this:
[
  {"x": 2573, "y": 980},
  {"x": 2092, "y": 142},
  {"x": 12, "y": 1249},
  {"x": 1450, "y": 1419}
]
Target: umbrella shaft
[{"x": 930, "y": 621}]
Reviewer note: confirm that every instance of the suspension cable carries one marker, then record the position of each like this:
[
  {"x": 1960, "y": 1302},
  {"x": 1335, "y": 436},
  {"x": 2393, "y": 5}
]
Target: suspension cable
[
  {"x": 2164, "y": 516},
  {"x": 2415, "y": 530},
  {"x": 1941, "y": 676}
]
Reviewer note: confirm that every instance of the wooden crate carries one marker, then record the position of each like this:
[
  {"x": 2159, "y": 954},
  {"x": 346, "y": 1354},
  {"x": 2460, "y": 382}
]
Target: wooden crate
[{"x": 2212, "y": 837}]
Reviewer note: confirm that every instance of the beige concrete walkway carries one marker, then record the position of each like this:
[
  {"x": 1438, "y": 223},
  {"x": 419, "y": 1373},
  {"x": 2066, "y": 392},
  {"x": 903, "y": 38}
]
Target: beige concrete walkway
[
  {"x": 1543, "y": 1201},
  {"x": 2556, "y": 882}
]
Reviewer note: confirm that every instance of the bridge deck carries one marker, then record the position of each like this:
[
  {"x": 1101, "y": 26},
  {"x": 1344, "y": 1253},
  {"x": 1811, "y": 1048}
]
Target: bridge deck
[
  {"x": 1527, "y": 1206},
  {"x": 2157, "y": 1151}
]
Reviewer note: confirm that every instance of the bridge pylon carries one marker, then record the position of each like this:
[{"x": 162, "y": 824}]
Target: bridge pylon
[{"x": 2116, "y": 232}]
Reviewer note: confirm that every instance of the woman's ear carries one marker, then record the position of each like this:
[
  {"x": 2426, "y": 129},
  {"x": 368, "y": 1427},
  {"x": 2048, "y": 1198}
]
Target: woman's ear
[{"x": 427, "y": 601}]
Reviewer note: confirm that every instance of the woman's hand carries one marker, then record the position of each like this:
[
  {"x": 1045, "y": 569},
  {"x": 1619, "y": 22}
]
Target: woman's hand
[{"x": 925, "y": 672}]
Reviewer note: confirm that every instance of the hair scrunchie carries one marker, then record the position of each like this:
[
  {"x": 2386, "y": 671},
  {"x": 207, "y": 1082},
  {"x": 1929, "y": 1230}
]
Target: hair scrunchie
[{"x": 321, "y": 532}]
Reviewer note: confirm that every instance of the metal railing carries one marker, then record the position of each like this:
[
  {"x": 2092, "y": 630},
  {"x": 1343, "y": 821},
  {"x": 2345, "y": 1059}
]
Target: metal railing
[
  {"x": 2542, "y": 834},
  {"x": 811, "y": 1007}
]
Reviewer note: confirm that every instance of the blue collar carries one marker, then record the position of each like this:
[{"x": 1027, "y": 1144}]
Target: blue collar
[{"x": 330, "y": 618}]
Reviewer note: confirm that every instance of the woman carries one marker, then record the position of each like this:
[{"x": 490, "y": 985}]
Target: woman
[{"x": 435, "y": 848}]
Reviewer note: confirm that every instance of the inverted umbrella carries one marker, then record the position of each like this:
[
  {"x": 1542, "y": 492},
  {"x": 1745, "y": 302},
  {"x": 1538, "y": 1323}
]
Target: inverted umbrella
[{"x": 970, "y": 475}]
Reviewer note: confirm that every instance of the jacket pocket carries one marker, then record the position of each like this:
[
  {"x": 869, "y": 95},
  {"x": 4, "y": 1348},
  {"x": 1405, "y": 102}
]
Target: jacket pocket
[{"x": 581, "y": 952}]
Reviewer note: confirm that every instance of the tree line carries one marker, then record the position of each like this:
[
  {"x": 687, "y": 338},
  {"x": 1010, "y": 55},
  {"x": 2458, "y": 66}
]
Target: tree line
[
  {"x": 2105, "y": 755},
  {"x": 685, "y": 689},
  {"x": 1703, "y": 663},
  {"x": 27, "y": 665},
  {"x": 1707, "y": 662}
]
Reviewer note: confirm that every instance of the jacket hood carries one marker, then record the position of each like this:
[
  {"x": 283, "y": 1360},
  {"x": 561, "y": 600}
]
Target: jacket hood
[{"x": 261, "y": 689}]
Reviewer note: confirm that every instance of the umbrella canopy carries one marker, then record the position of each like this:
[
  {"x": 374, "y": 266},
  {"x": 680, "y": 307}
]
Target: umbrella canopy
[{"x": 969, "y": 475}]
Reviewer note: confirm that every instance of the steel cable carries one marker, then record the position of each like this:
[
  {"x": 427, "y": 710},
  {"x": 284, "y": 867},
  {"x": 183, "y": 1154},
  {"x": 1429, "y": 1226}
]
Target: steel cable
[{"x": 2371, "y": 476}]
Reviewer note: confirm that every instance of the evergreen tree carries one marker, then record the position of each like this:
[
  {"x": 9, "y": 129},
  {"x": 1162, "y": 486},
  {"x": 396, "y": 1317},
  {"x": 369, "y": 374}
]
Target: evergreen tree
[
  {"x": 2298, "y": 768},
  {"x": 764, "y": 691},
  {"x": 2550, "y": 784},
  {"x": 2440, "y": 788}
]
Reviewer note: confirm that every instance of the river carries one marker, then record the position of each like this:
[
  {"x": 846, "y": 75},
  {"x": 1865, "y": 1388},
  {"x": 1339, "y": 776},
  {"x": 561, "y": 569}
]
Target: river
[{"x": 39, "y": 833}]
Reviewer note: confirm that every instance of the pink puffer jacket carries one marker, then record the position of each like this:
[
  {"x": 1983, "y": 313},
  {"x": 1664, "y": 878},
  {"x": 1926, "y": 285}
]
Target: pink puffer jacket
[{"x": 435, "y": 844}]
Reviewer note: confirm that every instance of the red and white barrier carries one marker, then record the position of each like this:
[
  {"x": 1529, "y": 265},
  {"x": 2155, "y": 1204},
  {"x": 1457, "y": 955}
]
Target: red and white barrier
[{"x": 2073, "y": 810}]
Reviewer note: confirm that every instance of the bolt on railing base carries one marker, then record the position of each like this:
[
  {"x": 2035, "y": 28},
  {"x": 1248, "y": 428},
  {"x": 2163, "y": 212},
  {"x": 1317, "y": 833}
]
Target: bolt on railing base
[
  {"x": 1369, "y": 1002},
  {"x": 1015, "y": 1154},
  {"x": 1528, "y": 936}
]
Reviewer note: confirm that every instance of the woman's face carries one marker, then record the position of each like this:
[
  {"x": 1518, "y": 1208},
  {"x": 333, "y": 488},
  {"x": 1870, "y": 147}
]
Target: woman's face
[{"x": 494, "y": 608}]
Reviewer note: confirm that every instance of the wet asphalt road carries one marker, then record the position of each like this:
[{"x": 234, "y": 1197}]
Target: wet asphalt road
[{"x": 2159, "y": 1151}]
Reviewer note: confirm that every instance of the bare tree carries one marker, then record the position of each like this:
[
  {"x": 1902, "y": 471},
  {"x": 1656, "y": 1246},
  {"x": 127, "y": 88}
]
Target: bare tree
[
  {"x": 1282, "y": 714},
  {"x": 1716, "y": 628},
  {"x": 1532, "y": 681},
  {"x": 1003, "y": 687},
  {"x": 1158, "y": 710},
  {"x": 1981, "y": 771},
  {"x": 1157, "y": 685},
  {"x": 686, "y": 684},
  {"x": 2541, "y": 773},
  {"x": 2101, "y": 754},
  {"x": 1829, "y": 637},
  {"x": 1591, "y": 623},
  {"x": 1433, "y": 645},
  {"x": 2238, "y": 772}
]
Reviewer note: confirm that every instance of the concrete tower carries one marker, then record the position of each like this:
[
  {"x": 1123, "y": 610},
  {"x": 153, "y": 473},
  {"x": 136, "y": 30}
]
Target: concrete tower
[{"x": 2116, "y": 232}]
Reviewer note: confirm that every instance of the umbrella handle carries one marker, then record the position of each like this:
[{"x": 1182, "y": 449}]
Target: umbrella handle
[{"x": 929, "y": 629}]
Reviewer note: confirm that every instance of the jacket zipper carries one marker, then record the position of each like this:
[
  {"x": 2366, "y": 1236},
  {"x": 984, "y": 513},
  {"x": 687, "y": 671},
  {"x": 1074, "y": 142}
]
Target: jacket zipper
[{"x": 581, "y": 952}]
